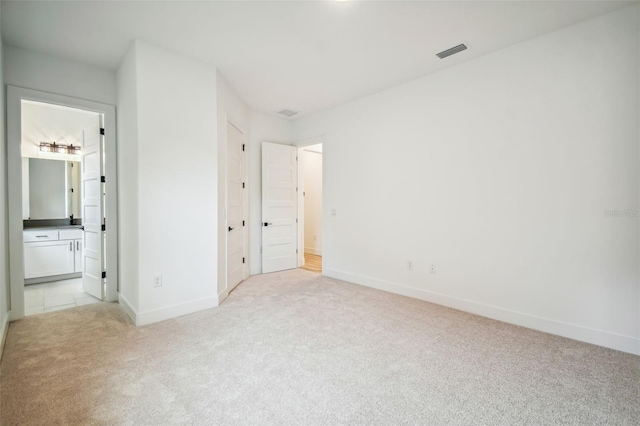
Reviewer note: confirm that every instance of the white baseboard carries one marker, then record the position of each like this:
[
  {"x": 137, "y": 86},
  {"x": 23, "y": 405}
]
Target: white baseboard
[
  {"x": 128, "y": 309},
  {"x": 573, "y": 331},
  {"x": 313, "y": 250},
  {"x": 222, "y": 296},
  {"x": 5, "y": 329},
  {"x": 168, "y": 312}
]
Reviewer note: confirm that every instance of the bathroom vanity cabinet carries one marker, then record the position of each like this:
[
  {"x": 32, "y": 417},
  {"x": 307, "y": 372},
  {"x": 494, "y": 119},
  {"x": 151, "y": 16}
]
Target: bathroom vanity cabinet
[{"x": 49, "y": 252}]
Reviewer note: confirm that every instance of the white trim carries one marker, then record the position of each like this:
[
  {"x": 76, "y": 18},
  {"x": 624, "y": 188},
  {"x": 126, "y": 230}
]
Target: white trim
[
  {"x": 573, "y": 331},
  {"x": 161, "y": 314},
  {"x": 222, "y": 296},
  {"x": 313, "y": 250},
  {"x": 14, "y": 188},
  {"x": 5, "y": 329},
  {"x": 128, "y": 309}
]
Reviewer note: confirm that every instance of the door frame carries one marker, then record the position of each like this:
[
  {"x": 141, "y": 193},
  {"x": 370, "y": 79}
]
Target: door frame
[
  {"x": 245, "y": 202},
  {"x": 15, "y": 95}
]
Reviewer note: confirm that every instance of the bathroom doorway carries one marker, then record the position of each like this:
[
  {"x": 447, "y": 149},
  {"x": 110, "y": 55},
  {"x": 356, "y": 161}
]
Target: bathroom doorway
[
  {"x": 54, "y": 141},
  {"x": 62, "y": 194}
]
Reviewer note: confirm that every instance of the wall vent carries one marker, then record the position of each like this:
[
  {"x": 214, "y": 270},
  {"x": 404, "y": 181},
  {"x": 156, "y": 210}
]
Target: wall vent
[
  {"x": 452, "y": 51},
  {"x": 288, "y": 112}
]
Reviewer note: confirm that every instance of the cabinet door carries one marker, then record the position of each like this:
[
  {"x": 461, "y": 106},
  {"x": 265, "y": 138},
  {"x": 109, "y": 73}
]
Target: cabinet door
[
  {"x": 48, "y": 258},
  {"x": 78, "y": 255}
]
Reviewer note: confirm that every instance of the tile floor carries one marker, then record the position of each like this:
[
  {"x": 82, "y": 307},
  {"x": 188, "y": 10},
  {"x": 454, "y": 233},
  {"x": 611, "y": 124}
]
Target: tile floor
[{"x": 55, "y": 296}]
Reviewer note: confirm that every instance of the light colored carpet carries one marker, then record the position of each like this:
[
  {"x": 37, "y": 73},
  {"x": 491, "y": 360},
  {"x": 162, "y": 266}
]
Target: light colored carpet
[{"x": 297, "y": 348}]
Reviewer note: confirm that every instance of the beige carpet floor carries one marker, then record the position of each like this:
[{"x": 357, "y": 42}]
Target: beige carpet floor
[{"x": 296, "y": 348}]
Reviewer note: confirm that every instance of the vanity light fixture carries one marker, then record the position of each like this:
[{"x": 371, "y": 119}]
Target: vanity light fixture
[
  {"x": 59, "y": 148},
  {"x": 46, "y": 146},
  {"x": 75, "y": 150}
]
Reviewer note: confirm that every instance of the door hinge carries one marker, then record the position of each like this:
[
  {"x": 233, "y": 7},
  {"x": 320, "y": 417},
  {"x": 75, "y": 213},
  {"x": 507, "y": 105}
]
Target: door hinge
[
  {"x": 103, "y": 179},
  {"x": 243, "y": 260},
  {"x": 104, "y": 274},
  {"x": 296, "y": 251},
  {"x": 296, "y": 220},
  {"x": 242, "y": 185},
  {"x": 104, "y": 227},
  {"x": 243, "y": 147},
  {"x": 243, "y": 223},
  {"x": 102, "y": 131},
  {"x": 71, "y": 189},
  {"x": 296, "y": 189}
]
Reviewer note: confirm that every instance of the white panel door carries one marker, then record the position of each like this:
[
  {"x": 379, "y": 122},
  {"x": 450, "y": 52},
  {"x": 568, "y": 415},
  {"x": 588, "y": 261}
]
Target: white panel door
[
  {"x": 235, "y": 207},
  {"x": 92, "y": 212},
  {"x": 279, "y": 207}
]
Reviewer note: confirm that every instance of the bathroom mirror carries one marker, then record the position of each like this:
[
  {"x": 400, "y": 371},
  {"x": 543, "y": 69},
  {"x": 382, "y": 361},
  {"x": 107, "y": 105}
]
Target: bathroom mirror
[{"x": 50, "y": 189}]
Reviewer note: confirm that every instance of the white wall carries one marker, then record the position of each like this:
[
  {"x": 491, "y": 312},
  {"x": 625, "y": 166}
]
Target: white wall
[
  {"x": 127, "y": 117},
  {"x": 4, "y": 240},
  {"x": 230, "y": 107},
  {"x": 498, "y": 172},
  {"x": 34, "y": 70},
  {"x": 176, "y": 174},
  {"x": 264, "y": 127},
  {"x": 312, "y": 166}
]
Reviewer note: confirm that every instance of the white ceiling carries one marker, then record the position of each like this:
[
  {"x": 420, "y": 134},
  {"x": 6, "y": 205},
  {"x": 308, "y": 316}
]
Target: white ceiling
[{"x": 306, "y": 56}]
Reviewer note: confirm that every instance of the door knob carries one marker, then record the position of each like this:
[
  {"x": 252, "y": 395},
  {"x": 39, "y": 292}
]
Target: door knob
[
  {"x": 230, "y": 229},
  {"x": 268, "y": 223}
]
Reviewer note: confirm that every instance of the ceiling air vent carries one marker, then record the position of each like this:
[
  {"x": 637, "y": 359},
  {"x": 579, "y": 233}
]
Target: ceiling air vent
[
  {"x": 288, "y": 112},
  {"x": 452, "y": 51}
]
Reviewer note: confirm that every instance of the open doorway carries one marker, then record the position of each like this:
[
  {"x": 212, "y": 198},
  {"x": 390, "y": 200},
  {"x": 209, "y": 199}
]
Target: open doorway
[
  {"x": 62, "y": 189},
  {"x": 311, "y": 166},
  {"x": 54, "y": 141}
]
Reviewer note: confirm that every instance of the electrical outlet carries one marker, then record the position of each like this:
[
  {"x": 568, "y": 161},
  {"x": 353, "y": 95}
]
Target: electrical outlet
[
  {"x": 157, "y": 281},
  {"x": 432, "y": 269},
  {"x": 410, "y": 265}
]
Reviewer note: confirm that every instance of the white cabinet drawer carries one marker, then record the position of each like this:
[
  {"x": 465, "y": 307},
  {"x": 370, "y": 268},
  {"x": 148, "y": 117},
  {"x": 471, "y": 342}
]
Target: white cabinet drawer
[
  {"x": 70, "y": 234},
  {"x": 40, "y": 235}
]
